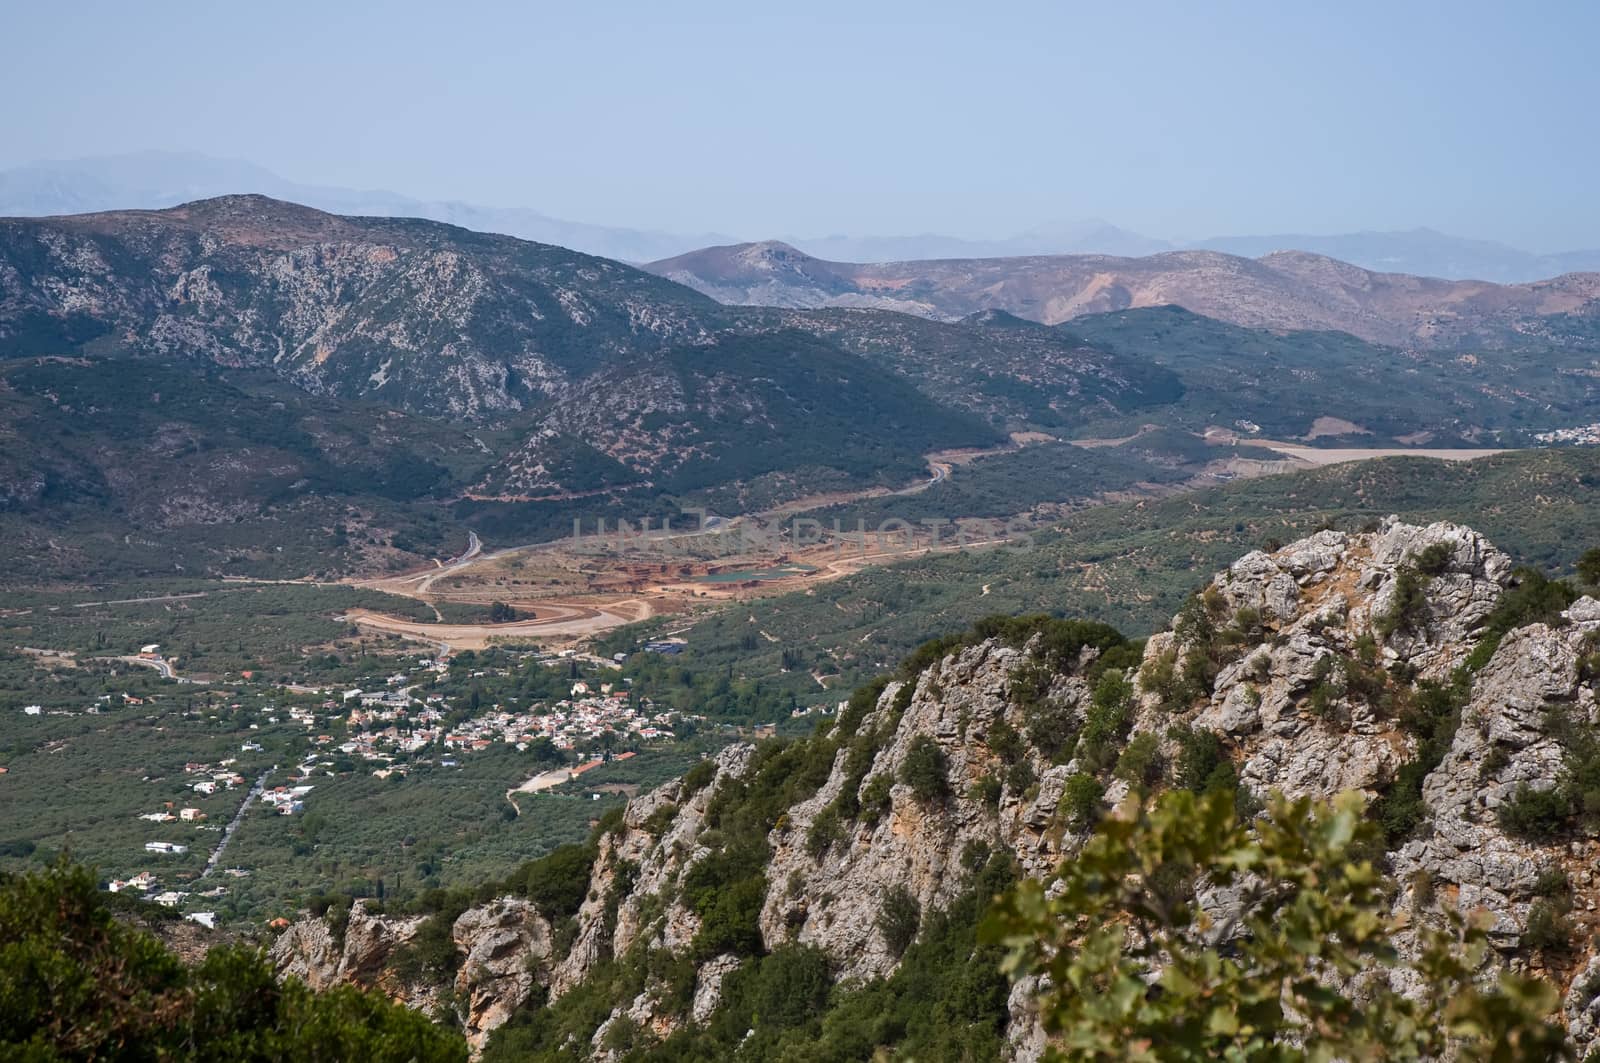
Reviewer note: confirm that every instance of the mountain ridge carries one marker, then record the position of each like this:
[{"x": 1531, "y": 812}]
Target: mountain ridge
[{"x": 1286, "y": 289}]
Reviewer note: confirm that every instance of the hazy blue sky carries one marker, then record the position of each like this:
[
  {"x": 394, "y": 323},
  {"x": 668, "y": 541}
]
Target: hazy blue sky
[{"x": 975, "y": 118}]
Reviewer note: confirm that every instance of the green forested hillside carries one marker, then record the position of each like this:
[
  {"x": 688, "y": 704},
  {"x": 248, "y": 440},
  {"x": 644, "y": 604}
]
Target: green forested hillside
[
  {"x": 127, "y": 468},
  {"x": 1285, "y": 380}
]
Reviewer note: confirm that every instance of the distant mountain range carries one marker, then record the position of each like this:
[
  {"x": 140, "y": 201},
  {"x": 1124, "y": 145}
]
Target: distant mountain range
[
  {"x": 1283, "y": 290},
  {"x": 1421, "y": 252},
  {"x": 1058, "y": 239},
  {"x": 150, "y": 180}
]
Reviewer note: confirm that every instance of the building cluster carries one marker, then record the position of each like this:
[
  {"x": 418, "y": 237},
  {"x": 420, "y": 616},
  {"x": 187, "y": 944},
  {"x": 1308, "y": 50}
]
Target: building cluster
[
  {"x": 1586, "y": 435},
  {"x": 588, "y": 716},
  {"x": 210, "y": 779},
  {"x": 286, "y": 800},
  {"x": 93, "y": 708}
]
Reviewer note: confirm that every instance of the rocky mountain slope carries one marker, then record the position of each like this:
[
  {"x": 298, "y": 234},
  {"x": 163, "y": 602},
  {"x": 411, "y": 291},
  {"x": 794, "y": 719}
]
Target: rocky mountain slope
[
  {"x": 575, "y": 374},
  {"x": 1413, "y": 664},
  {"x": 1282, "y": 290},
  {"x": 420, "y": 315}
]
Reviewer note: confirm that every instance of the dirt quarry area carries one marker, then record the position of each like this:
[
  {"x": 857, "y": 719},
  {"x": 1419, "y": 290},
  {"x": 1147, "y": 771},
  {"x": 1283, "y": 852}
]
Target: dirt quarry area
[
  {"x": 563, "y": 622},
  {"x": 571, "y": 589},
  {"x": 1335, "y": 455}
]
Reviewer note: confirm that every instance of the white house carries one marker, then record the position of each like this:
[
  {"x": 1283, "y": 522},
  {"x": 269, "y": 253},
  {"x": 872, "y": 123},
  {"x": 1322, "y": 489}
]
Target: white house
[
  {"x": 171, "y": 848},
  {"x": 144, "y": 880}
]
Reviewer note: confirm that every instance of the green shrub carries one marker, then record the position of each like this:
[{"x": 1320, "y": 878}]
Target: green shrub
[
  {"x": 430, "y": 956},
  {"x": 1533, "y": 598},
  {"x": 1080, "y": 801},
  {"x": 875, "y": 799},
  {"x": 730, "y": 919},
  {"x": 1159, "y": 676},
  {"x": 1408, "y": 607},
  {"x": 558, "y": 883},
  {"x": 825, "y": 830},
  {"x": 789, "y": 987},
  {"x": 1141, "y": 763},
  {"x": 862, "y": 701},
  {"x": 1548, "y": 929},
  {"x": 1202, "y": 764},
  {"x": 658, "y": 821},
  {"x": 698, "y": 777},
  {"x": 926, "y": 770},
  {"x": 987, "y": 790},
  {"x": 1574, "y": 801},
  {"x": 898, "y": 920},
  {"x": 1020, "y": 777},
  {"x": 1051, "y": 726},
  {"x": 1589, "y": 566},
  {"x": 1106, "y": 721},
  {"x": 78, "y": 983},
  {"x": 1538, "y": 815},
  {"x": 974, "y": 855},
  {"x": 1431, "y": 715},
  {"x": 1006, "y": 742},
  {"x": 1434, "y": 560},
  {"x": 1318, "y": 906}
]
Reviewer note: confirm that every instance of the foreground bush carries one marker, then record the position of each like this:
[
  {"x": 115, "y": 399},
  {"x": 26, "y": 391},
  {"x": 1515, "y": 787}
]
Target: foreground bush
[
  {"x": 1136, "y": 970},
  {"x": 76, "y": 983}
]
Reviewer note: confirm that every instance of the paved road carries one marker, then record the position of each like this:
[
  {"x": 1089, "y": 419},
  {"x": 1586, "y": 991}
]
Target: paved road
[
  {"x": 140, "y": 601},
  {"x": 424, "y": 580},
  {"x": 159, "y": 664},
  {"x": 238, "y": 817}
]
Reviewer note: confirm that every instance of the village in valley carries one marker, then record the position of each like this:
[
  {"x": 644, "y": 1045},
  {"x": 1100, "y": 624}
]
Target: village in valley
[{"x": 560, "y": 715}]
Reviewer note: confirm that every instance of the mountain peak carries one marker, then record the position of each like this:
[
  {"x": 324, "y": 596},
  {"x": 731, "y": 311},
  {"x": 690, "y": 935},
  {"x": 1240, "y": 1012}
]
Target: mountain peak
[
  {"x": 992, "y": 318},
  {"x": 249, "y": 219},
  {"x": 247, "y": 205},
  {"x": 771, "y": 253}
]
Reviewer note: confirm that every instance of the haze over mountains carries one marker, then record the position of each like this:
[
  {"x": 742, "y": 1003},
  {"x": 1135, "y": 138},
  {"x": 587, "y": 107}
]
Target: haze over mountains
[{"x": 156, "y": 179}]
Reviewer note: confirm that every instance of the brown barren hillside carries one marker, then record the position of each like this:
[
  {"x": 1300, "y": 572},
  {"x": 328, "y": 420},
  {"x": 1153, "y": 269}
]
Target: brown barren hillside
[{"x": 1286, "y": 289}]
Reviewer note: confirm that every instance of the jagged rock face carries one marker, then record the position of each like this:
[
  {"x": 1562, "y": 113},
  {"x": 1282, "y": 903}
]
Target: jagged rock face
[
  {"x": 649, "y": 864},
  {"x": 309, "y": 951},
  {"x": 506, "y": 950},
  {"x": 1318, "y": 600},
  {"x": 1311, "y": 620},
  {"x": 833, "y": 900},
  {"x": 1321, "y": 602},
  {"x": 1502, "y": 744}
]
